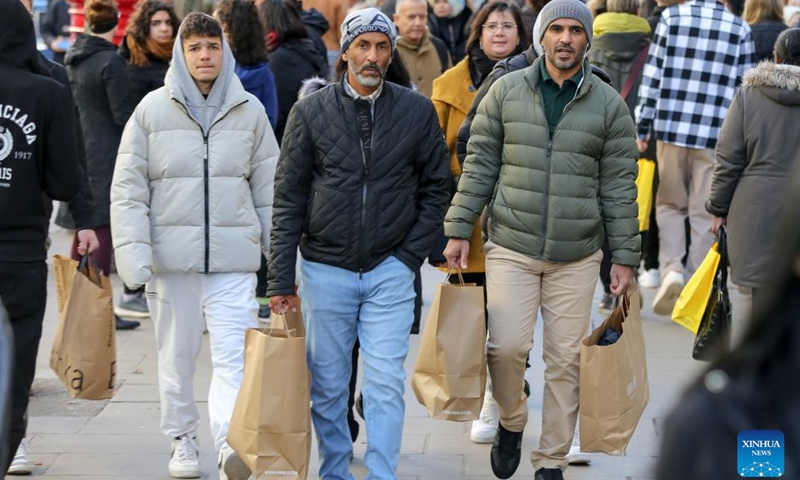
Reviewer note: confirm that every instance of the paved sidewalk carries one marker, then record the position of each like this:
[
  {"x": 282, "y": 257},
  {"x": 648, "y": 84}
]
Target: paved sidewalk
[{"x": 120, "y": 438}]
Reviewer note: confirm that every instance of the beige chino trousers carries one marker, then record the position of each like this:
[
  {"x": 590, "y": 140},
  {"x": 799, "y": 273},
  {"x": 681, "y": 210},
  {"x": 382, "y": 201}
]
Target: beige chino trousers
[
  {"x": 517, "y": 287},
  {"x": 685, "y": 176}
]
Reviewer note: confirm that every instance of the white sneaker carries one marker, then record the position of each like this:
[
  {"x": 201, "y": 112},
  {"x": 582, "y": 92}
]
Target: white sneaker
[
  {"x": 21, "y": 465},
  {"x": 231, "y": 466},
  {"x": 185, "y": 461},
  {"x": 575, "y": 457},
  {"x": 484, "y": 428},
  {"x": 668, "y": 294},
  {"x": 650, "y": 278}
]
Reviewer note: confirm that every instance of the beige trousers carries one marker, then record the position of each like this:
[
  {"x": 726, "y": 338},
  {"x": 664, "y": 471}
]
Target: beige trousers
[
  {"x": 685, "y": 183},
  {"x": 517, "y": 287}
]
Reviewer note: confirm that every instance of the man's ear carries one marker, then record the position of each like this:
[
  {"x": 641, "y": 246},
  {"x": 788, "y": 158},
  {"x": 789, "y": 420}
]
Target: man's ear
[{"x": 345, "y": 56}]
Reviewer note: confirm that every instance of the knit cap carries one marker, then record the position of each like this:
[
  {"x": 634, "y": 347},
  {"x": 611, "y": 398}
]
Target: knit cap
[
  {"x": 574, "y": 9},
  {"x": 366, "y": 21}
]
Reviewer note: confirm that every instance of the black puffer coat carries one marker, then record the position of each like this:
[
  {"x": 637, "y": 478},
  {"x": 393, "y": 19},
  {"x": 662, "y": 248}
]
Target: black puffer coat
[
  {"x": 764, "y": 36},
  {"x": 352, "y": 209},
  {"x": 292, "y": 62},
  {"x": 100, "y": 88},
  {"x": 142, "y": 80},
  {"x": 452, "y": 31}
]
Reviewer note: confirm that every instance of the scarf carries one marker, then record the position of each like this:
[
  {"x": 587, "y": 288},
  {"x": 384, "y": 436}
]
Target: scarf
[
  {"x": 140, "y": 53},
  {"x": 272, "y": 40},
  {"x": 617, "y": 22}
]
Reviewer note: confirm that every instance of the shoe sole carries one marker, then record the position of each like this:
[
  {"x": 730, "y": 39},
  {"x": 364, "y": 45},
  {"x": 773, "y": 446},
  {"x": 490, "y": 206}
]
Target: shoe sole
[
  {"x": 125, "y": 313},
  {"x": 481, "y": 440},
  {"x": 186, "y": 474},
  {"x": 20, "y": 470},
  {"x": 235, "y": 468},
  {"x": 664, "y": 304}
]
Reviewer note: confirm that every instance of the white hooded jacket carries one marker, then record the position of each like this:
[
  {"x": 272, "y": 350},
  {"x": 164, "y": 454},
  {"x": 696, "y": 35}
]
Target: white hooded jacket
[{"x": 190, "y": 199}]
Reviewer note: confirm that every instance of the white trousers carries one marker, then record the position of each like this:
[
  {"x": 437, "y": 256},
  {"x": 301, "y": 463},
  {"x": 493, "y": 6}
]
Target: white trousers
[{"x": 179, "y": 303}]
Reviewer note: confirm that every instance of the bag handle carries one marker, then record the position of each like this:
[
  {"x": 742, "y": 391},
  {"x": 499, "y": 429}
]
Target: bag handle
[
  {"x": 636, "y": 72},
  {"x": 86, "y": 266},
  {"x": 460, "y": 277},
  {"x": 290, "y": 332},
  {"x": 722, "y": 248}
]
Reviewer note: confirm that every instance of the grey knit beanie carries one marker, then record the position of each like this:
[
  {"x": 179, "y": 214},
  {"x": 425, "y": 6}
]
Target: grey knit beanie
[
  {"x": 574, "y": 9},
  {"x": 366, "y": 21}
]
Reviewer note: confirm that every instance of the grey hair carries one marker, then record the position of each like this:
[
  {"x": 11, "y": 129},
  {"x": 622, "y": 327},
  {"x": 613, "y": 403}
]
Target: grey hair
[
  {"x": 402, "y": 2},
  {"x": 623, "y": 6}
]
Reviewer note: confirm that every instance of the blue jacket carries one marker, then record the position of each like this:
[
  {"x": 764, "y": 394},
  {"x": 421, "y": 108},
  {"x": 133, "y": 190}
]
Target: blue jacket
[{"x": 259, "y": 81}]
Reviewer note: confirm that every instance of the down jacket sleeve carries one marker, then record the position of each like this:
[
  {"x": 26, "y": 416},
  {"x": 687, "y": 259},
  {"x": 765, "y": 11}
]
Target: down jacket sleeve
[
  {"x": 130, "y": 207},
  {"x": 262, "y": 175},
  {"x": 731, "y": 159},
  {"x": 481, "y": 168},
  {"x": 433, "y": 173},
  {"x": 292, "y": 187},
  {"x": 618, "y": 169}
]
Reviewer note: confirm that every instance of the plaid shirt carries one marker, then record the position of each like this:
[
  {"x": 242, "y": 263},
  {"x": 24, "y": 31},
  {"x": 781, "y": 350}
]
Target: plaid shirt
[{"x": 697, "y": 59}]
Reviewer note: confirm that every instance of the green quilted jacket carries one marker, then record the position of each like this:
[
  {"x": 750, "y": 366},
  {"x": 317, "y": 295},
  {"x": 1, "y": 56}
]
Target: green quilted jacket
[{"x": 551, "y": 198}]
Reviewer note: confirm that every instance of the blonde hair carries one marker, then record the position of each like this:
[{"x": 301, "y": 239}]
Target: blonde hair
[
  {"x": 623, "y": 6},
  {"x": 758, "y": 10}
]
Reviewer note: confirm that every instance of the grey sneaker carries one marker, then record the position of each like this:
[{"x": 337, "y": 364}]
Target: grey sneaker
[{"x": 133, "y": 308}]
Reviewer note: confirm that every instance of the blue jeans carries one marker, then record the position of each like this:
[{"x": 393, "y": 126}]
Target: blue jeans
[{"x": 376, "y": 307}]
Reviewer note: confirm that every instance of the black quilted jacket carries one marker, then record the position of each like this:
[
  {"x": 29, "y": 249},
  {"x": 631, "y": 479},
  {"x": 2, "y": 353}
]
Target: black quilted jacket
[{"x": 350, "y": 209}]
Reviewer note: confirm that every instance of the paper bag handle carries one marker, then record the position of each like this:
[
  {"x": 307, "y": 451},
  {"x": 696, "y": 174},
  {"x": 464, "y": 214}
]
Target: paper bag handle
[
  {"x": 85, "y": 266},
  {"x": 460, "y": 277},
  {"x": 290, "y": 332}
]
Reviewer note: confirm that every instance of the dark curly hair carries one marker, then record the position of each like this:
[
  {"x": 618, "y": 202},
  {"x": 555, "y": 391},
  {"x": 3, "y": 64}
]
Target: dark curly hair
[
  {"x": 139, "y": 23},
  {"x": 245, "y": 31}
]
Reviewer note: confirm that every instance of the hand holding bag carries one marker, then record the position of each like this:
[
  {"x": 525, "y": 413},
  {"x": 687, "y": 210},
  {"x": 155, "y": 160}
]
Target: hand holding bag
[{"x": 714, "y": 334}]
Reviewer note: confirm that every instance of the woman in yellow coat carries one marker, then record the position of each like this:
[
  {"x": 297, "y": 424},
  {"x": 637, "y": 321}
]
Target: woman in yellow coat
[{"x": 497, "y": 32}]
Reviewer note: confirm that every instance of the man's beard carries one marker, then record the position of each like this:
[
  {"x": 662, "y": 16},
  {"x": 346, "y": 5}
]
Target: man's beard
[
  {"x": 368, "y": 81},
  {"x": 551, "y": 55}
]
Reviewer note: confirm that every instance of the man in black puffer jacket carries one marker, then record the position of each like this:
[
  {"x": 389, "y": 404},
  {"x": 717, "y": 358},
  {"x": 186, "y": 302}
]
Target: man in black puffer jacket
[{"x": 362, "y": 184}]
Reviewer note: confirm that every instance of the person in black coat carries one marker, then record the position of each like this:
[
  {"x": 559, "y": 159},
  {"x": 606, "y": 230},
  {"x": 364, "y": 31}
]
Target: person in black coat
[
  {"x": 450, "y": 22},
  {"x": 293, "y": 57},
  {"x": 100, "y": 88},
  {"x": 147, "y": 47},
  {"x": 754, "y": 387},
  {"x": 765, "y": 18},
  {"x": 38, "y": 162},
  {"x": 55, "y": 29}
]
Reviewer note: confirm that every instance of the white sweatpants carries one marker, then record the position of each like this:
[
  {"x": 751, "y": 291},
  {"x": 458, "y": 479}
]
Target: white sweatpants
[{"x": 179, "y": 303}]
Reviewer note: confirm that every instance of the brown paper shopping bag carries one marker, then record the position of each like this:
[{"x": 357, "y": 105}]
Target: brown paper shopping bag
[
  {"x": 450, "y": 372},
  {"x": 84, "y": 350},
  {"x": 289, "y": 321},
  {"x": 270, "y": 427},
  {"x": 614, "y": 388}
]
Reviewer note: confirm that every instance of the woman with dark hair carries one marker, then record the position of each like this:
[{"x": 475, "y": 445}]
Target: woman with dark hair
[
  {"x": 293, "y": 56},
  {"x": 498, "y": 32},
  {"x": 147, "y": 46},
  {"x": 245, "y": 35}
]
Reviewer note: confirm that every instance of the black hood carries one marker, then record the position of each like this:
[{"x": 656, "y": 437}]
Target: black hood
[
  {"x": 305, "y": 48},
  {"x": 17, "y": 38},
  {"x": 621, "y": 47},
  {"x": 85, "y": 46},
  {"x": 315, "y": 20},
  {"x": 123, "y": 49}
]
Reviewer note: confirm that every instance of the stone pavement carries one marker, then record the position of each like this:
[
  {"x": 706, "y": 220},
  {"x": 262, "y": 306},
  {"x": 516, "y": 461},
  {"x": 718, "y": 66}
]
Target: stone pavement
[{"x": 120, "y": 438}]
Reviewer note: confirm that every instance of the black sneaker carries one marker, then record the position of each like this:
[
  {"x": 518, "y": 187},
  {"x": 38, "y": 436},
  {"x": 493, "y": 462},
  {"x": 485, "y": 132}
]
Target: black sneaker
[
  {"x": 264, "y": 312},
  {"x": 136, "y": 307},
  {"x": 506, "y": 451},
  {"x": 125, "y": 324},
  {"x": 353, "y": 425},
  {"x": 360, "y": 406},
  {"x": 549, "y": 474}
]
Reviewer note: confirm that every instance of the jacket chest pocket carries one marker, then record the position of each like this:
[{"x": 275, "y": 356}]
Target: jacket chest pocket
[{"x": 329, "y": 220}]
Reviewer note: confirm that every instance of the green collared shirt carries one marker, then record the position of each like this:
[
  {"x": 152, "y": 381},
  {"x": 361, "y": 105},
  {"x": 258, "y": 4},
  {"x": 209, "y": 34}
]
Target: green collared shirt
[{"x": 557, "y": 98}]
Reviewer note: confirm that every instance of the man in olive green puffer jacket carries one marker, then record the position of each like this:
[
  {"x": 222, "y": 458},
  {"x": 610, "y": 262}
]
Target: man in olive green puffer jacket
[{"x": 553, "y": 155}]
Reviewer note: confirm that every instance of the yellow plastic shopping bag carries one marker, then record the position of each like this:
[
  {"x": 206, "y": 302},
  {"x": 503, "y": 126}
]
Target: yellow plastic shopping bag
[
  {"x": 692, "y": 303},
  {"x": 644, "y": 183}
]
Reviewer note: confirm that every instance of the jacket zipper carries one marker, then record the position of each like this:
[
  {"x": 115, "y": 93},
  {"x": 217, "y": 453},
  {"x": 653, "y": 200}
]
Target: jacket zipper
[
  {"x": 550, "y": 157},
  {"x": 364, "y": 179},
  {"x": 207, "y": 215}
]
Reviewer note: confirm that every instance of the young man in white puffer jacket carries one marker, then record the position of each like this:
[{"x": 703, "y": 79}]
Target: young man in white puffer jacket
[{"x": 191, "y": 209}]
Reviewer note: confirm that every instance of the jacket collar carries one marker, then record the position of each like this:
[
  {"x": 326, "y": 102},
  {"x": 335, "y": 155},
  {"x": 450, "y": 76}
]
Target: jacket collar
[
  {"x": 456, "y": 87},
  {"x": 534, "y": 77},
  {"x": 425, "y": 45}
]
